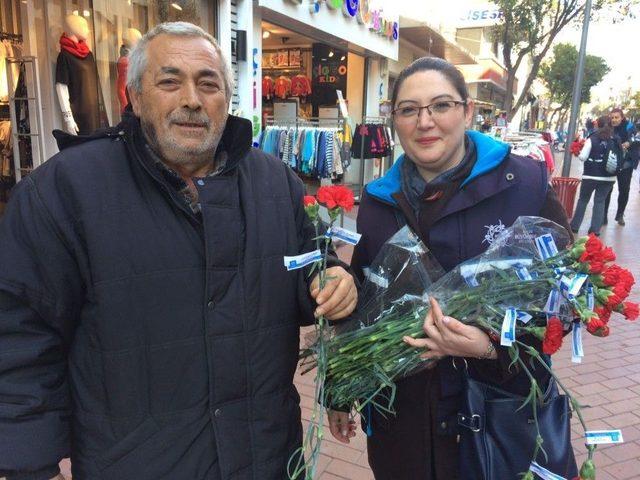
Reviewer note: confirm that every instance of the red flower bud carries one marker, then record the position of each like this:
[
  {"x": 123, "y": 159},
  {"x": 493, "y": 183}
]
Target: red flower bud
[
  {"x": 309, "y": 200},
  {"x": 630, "y": 310}
]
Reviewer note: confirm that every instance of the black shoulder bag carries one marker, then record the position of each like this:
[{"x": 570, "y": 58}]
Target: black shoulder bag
[{"x": 497, "y": 440}]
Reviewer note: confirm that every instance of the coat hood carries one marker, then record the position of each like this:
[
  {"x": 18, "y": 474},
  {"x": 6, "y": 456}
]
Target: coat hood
[{"x": 490, "y": 153}]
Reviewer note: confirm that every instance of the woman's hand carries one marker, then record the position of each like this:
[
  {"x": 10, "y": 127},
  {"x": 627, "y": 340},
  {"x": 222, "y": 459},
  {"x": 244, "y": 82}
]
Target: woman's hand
[
  {"x": 342, "y": 427},
  {"x": 450, "y": 337}
]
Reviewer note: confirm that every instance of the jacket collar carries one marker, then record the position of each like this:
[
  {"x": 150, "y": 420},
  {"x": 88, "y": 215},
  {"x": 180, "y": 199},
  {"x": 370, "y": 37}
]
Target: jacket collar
[{"x": 490, "y": 154}]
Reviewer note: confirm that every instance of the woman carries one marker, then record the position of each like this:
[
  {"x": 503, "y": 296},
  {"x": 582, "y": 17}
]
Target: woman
[
  {"x": 450, "y": 186},
  {"x": 623, "y": 130},
  {"x": 595, "y": 178}
]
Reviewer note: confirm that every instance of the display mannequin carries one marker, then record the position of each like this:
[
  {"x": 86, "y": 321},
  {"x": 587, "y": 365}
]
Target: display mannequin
[
  {"x": 77, "y": 83},
  {"x": 129, "y": 39}
]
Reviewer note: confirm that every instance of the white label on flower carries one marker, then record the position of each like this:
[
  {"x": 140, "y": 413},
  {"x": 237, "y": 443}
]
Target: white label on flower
[
  {"x": 546, "y": 246},
  {"x": 591, "y": 301},
  {"x": 559, "y": 271},
  {"x": 577, "y": 352},
  {"x": 603, "y": 437},
  {"x": 301, "y": 261},
  {"x": 471, "y": 280},
  {"x": 376, "y": 279},
  {"x": 508, "y": 332},
  {"x": 543, "y": 473},
  {"x": 524, "y": 317},
  {"x": 576, "y": 284},
  {"x": 553, "y": 302},
  {"x": 474, "y": 267},
  {"x": 345, "y": 235},
  {"x": 523, "y": 274}
]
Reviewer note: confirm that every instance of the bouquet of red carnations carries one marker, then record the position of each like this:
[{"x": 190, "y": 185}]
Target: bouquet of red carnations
[{"x": 530, "y": 282}]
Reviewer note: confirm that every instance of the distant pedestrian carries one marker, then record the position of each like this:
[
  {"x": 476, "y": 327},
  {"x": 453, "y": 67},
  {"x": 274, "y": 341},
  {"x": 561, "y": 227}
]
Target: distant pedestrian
[
  {"x": 624, "y": 131},
  {"x": 595, "y": 178}
]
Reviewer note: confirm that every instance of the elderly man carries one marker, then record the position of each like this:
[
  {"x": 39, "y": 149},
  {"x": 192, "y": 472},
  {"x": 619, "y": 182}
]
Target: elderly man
[{"x": 148, "y": 327}]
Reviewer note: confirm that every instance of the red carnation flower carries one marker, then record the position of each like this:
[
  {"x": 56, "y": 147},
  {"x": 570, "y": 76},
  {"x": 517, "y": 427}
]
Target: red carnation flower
[
  {"x": 602, "y": 332},
  {"x": 622, "y": 290},
  {"x": 596, "y": 266},
  {"x": 603, "y": 313},
  {"x": 309, "y": 200},
  {"x": 610, "y": 275},
  {"x": 552, "y": 336},
  {"x": 336, "y": 196},
  {"x": 608, "y": 255},
  {"x": 594, "y": 324},
  {"x": 593, "y": 244},
  {"x": 630, "y": 310}
]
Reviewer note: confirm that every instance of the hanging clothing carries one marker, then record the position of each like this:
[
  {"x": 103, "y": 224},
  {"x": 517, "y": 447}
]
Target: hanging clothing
[
  {"x": 80, "y": 74},
  {"x": 267, "y": 87},
  {"x": 310, "y": 151},
  {"x": 282, "y": 87},
  {"x": 371, "y": 140},
  {"x": 300, "y": 86}
]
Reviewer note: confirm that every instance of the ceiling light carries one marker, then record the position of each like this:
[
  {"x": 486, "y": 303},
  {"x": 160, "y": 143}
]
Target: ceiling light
[
  {"x": 266, "y": 34},
  {"x": 75, "y": 12},
  {"x": 331, "y": 53},
  {"x": 86, "y": 13},
  {"x": 176, "y": 6},
  {"x": 342, "y": 58}
]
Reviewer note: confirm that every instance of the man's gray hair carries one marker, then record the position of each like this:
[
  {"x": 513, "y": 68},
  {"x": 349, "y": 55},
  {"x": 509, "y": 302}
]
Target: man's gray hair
[{"x": 138, "y": 55}]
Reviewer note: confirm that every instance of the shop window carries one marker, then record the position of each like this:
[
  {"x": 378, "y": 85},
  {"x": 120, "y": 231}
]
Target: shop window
[{"x": 114, "y": 27}]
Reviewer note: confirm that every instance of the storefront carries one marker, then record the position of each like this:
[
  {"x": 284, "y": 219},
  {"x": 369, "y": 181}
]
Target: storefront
[
  {"x": 32, "y": 32},
  {"x": 305, "y": 57}
]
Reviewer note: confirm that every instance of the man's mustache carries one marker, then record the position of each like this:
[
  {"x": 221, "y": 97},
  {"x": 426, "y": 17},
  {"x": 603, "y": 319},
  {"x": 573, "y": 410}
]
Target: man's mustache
[{"x": 189, "y": 117}]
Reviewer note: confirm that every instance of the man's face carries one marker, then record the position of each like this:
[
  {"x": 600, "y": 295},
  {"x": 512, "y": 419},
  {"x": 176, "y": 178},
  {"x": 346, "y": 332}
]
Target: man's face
[
  {"x": 616, "y": 119},
  {"x": 182, "y": 104}
]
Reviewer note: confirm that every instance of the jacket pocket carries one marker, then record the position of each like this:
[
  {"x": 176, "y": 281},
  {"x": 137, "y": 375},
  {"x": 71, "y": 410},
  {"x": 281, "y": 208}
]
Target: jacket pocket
[{"x": 120, "y": 454}]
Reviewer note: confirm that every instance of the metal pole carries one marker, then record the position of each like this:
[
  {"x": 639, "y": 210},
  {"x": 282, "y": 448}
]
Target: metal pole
[{"x": 577, "y": 90}]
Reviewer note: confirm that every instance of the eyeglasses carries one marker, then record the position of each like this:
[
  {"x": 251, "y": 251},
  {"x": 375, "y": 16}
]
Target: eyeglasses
[{"x": 436, "y": 110}]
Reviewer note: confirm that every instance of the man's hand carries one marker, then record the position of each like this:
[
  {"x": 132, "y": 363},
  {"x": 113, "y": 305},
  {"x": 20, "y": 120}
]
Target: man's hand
[
  {"x": 450, "y": 337},
  {"x": 341, "y": 426},
  {"x": 339, "y": 296},
  {"x": 626, "y": 145}
]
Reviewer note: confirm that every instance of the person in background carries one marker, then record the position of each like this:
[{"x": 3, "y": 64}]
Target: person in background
[
  {"x": 148, "y": 326},
  {"x": 450, "y": 187},
  {"x": 595, "y": 178},
  {"x": 623, "y": 130}
]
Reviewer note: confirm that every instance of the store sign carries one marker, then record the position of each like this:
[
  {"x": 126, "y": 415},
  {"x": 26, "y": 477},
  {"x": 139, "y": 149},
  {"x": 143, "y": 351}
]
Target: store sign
[
  {"x": 373, "y": 19},
  {"x": 329, "y": 73},
  {"x": 481, "y": 17}
]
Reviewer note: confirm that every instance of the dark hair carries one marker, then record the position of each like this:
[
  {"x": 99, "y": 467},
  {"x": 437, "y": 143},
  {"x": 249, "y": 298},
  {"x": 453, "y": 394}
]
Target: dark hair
[
  {"x": 425, "y": 64},
  {"x": 605, "y": 130}
]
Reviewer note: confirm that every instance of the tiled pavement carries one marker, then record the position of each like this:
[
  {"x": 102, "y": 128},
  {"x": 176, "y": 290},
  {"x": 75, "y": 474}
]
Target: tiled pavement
[{"x": 608, "y": 379}]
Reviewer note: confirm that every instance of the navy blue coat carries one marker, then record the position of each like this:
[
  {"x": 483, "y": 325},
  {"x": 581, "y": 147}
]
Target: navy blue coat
[
  {"x": 500, "y": 188},
  {"x": 141, "y": 340}
]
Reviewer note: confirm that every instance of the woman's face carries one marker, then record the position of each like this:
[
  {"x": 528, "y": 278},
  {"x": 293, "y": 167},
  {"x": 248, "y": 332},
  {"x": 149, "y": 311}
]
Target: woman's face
[{"x": 435, "y": 143}]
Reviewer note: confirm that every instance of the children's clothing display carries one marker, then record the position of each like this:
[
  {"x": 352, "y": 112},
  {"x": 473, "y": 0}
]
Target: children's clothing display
[{"x": 311, "y": 151}]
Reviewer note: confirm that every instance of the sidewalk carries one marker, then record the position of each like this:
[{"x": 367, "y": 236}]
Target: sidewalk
[{"x": 608, "y": 379}]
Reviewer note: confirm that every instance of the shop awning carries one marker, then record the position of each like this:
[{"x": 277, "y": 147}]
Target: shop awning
[{"x": 430, "y": 40}]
